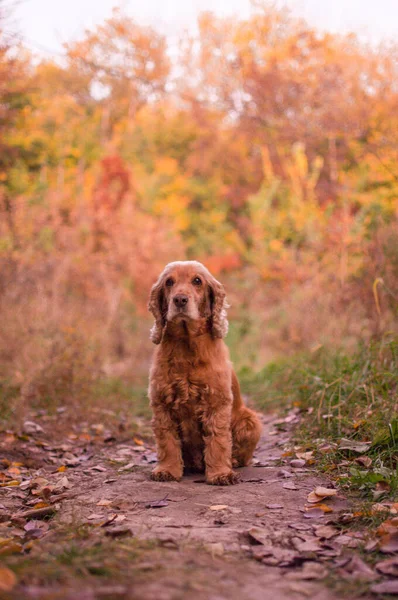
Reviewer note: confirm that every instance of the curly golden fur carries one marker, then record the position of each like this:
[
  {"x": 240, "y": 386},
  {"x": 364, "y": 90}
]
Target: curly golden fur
[{"x": 199, "y": 419}]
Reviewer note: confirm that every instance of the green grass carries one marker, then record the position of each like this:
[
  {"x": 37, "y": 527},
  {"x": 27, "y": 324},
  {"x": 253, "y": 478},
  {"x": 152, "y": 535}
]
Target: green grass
[
  {"x": 81, "y": 554},
  {"x": 8, "y": 397},
  {"x": 341, "y": 396}
]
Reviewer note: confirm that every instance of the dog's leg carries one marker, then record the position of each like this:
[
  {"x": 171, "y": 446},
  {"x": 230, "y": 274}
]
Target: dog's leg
[
  {"x": 246, "y": 431},
  {"x": 170, "y": 465},
  {"x": 218, "y": 446}
]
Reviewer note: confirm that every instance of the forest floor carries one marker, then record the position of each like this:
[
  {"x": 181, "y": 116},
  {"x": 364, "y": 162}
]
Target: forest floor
[{"x": 80, "y": 520}]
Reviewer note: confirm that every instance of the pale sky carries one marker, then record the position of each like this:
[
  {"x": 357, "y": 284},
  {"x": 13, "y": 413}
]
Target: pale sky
[{"x": 46, "y": 24}]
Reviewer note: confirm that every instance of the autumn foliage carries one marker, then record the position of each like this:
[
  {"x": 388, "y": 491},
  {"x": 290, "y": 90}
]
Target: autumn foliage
[{"x": 262, "y": 147}]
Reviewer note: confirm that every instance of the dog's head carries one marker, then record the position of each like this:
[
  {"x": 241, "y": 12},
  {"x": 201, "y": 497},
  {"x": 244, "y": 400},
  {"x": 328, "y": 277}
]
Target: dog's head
[{"x": 186, "y": 291}]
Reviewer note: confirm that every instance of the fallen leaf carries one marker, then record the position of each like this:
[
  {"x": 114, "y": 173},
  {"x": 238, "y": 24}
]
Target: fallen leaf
[
  {"x": 34, "y": 524},
  {"x": 31, "y": 428},
  {"x": 324, "y": 507},
  {"x": 157, "y": 503},
  {"x": 215, "y": 549},
  {"x": 259, "y": 535},
  {"x": 300, "y": 526},
  {"x": 359, "y": 447},
  {"x": 10, "y": 547},
  {"x": 138, "y": 442},
  {"x": 62, "y": 484},
  {"x": 62, "y": 469},
  {"x": 13, "y": 471},
  {"x": 111, "y": 519},
  {"x": 386, "y": 587},
  {"x": 36, "y": 513},
  {"x": 308, "y": 545},
  {"x": 366, "y": 461},
  {"x": 289, "y": 485},
  {"x": 389, "y": 543},
  {"x": 104, "y": 503},
  {"x": 312, "y": 498},
  {"x": 325, "y": 492},
  {"x": 388, "y": 526},
  {"x": 8, "y": 579},
  {"x": 388, "y": 566},
  {"x": 127, "y": 467},
  {"x": 326, "y": 532},
  {"x": 305, "y": 455},
  {"x": 284, "y": 473},
  {"x": 99, "y": 468},
  {"x": 358, "y": 569},
  {"x": 41, "y": 505}
]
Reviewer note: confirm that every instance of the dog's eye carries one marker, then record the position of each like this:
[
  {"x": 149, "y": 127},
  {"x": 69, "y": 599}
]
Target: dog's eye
[
  {"x": 169, "y": 282},
  {"x": 197, "y": 281}
]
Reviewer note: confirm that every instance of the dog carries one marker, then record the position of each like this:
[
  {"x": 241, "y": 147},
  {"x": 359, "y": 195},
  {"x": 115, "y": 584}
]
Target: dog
[{"x": 199, "y": 419}]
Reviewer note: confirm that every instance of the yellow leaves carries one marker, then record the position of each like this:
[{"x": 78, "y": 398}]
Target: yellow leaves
[
  {"x": 166, "y": 166},
  {"x": 275, "y": 245},
  {"x": 8, "y": 579}
]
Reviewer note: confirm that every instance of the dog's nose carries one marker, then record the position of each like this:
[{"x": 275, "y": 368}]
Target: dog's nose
[{"x": 180, "y": 300}]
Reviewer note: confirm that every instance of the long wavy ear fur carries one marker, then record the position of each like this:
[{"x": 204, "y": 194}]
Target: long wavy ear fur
[
  {"x": 155, "y": 306},
  {"x": 219, "y": 307}
]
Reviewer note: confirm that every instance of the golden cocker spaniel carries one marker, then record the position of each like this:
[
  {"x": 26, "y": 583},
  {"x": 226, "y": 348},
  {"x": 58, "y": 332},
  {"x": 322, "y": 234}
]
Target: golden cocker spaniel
[{"x": 199, "y": 419}]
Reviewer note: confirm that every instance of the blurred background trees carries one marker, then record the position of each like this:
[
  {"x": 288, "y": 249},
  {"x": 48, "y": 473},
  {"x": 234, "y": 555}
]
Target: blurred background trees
[{"x": 262, "y": 147}]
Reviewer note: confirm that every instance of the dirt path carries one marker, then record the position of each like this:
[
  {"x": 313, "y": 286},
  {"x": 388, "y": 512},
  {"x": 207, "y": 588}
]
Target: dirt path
[{"x": 258, "y": 539}]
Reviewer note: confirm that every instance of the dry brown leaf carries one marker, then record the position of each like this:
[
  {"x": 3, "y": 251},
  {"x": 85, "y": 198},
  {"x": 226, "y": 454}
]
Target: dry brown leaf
[
  {"x": 326, "y": 532},
  {"x": 10, "y": 548},
  {"x": 259, "y": 535},
  {"x": 313, "y": 498},
  {"x": 366, "y": 461},
  {"x": 386, "y": 587},
  {"x": 104, "y": 502},
  {"x": 324, "y": 507},
  {"x": 8, "y": 579},
  {"x": 388, "y": 526},
  {"x": 215, "y": 549},
  {"x": 289, "y": 485},
  {"x": 305, "y": 455},
  {"x": 389, "y": 543},
  {"x": 325, "y": 492},
  {"x": 388, "y": 566},
  {"x": 358, "y": 569},
  {"x": 391, "y": 507},
  {"x": 13, "y": 471}
]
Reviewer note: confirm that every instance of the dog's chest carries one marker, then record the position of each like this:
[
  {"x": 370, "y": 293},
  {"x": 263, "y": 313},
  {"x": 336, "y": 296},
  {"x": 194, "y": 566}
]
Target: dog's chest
[{"x": 187, "y": 398}]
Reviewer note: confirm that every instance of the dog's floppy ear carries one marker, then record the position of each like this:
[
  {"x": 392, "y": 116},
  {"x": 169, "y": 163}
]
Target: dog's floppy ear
[
  {"x": 156, "y": 307},
  {"x": 218, "y": 303}
]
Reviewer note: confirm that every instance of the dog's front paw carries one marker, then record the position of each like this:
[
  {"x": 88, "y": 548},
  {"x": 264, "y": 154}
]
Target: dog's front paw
[
  {"x": 224, "y": 479},
  {"x": 164, "y": 475}
]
